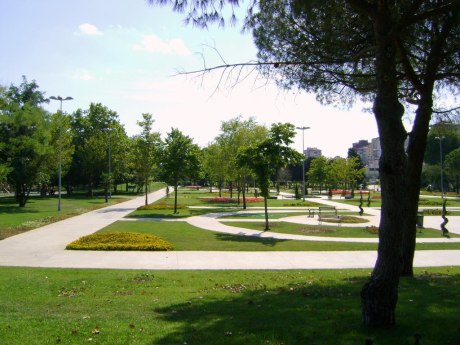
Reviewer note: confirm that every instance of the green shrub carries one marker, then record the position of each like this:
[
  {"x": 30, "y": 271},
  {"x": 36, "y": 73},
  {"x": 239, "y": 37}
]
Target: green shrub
[
  {"x": 433, "y": 202},
  {"x": 433, "y": 212},
  {"x": 372, "y": 229},
  {"x": 353, "y": 220},
  {"x": 120, "y": 241}
]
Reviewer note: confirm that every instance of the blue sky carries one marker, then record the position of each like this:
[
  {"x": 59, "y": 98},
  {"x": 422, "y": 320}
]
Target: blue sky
[{"x": 124, "y": 54}]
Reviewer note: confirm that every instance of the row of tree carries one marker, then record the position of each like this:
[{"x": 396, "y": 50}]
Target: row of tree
[
  {"x": 96, "y": 152},
  {"x": 94, "y": 147}
]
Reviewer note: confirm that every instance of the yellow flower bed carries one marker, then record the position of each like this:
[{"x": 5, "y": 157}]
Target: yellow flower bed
[{"x": 120, "y": 241}]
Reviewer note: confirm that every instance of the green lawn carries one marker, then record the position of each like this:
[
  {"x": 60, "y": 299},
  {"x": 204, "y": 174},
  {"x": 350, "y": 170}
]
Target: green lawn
[
  {"x": 201, "y": 198},
  {"x": 41, "y": 211},
  {"x": 423, "y": 202},
  {"x": 326, "y": 230},
  {"x": 73, "y": 306},
  {"x": 184, "y": 236}
]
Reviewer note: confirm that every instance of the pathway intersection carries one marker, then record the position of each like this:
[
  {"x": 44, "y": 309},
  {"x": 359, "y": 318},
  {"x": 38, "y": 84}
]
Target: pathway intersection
[{"x": 45, "y": 246}]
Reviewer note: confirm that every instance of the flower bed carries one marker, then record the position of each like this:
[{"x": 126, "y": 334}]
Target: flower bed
[
  {"x": 120, "y": 241},
  {"x": 222, "y": 199},
  {"x": 159, "y": 207},
  {"x": 193, "y": 187}
]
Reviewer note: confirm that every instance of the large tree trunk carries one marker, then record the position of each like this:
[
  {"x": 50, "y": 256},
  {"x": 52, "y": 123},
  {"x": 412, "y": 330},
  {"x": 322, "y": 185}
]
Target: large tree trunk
[
  {"x": 380, "y": 294},
  {"x": 415, "y": 153}
]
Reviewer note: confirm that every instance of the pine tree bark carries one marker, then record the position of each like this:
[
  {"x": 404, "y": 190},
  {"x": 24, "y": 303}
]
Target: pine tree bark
[
  {"x": 415, "y": 154},
  {"x": 380, "y": 294}
]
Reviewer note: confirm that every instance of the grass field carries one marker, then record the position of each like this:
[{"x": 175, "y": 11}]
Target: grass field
[
  {"x": 184, "y": 236},
  {"x": 41, "y": 211},
  {"x": 325, "y": 230},
  {"x": 65, "y": 306}
]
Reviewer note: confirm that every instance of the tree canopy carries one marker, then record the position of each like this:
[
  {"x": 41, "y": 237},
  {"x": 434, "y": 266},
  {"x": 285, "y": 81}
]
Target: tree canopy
[{"x": 390, "y": 52}]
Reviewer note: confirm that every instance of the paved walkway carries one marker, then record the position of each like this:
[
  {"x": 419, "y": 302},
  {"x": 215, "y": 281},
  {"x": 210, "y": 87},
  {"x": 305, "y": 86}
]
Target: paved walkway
[{"x": 45, "y": 247}]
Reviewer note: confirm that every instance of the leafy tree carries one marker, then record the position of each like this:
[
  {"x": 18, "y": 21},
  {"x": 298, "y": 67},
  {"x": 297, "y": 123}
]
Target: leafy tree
[
  {"x": 346, "y": 171},
  {"x": 317, "y": 172},
  {"x": 452, "y": 164},
  {"x": 267, "y": 156},
  {"x": 385, "y": 51},
  {"x": 146, "y": 151},
  {"x": 100, "y": 145},
  {"x": 24, "y": 138},
  {"x": 450, "y": 141},
  {"x": 359, "y": 164},
  {"x": 237, "y": 134},
  {"x": 67, "y": 147},
  {"x": 214, "y": 165},
  {"x": 431, "y": 176},
  {"x": 26, "y": 93},
  {"x": 179, "y": 159}
]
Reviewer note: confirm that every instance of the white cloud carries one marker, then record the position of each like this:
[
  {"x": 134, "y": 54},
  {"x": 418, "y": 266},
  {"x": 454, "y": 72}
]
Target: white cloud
[
  {"x": 154, "y": 44},
  {"x": 83, "y": 74},
  {"x": 89, "y": 29}
]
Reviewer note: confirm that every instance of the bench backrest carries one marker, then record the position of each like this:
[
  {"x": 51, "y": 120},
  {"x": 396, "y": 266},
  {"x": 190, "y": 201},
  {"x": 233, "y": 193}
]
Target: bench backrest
[{"x": 327, "y": 210}]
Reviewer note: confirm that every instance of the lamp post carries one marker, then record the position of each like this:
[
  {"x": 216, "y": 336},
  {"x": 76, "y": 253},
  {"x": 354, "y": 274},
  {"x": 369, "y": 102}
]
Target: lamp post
[
  {"x": 440, "y": 159},
  {"x": 303, "y": 128},
  {"x": 60, "y": 99},
  {"x": 109, "y": 132}
]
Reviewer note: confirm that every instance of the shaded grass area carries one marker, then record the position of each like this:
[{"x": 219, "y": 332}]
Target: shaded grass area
[
  {"x": 184, "y": 236},
  {"x": 42, "y": 211},
  {"x": 49, "y": 306},
  {"x": 325, "y": 230}
]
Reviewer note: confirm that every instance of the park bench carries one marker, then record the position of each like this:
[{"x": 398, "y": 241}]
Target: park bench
[{"x": 328, "y": 213}]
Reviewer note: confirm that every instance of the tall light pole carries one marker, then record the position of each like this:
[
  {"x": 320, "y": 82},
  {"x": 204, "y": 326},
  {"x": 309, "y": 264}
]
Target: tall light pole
[
  {"x": 440, "y": 159},
  {"x": 303, "y": 128},
  {"x": 60, "y": 99}
]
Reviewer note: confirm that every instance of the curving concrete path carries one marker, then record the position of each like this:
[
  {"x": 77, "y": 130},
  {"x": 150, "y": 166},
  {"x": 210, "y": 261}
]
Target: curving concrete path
[{"x": 45, "y": 247}]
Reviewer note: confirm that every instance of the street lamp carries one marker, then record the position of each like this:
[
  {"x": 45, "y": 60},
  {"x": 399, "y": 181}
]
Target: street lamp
[
  {"x": 60, "y": 99},
  {"x": 303, "y": 160},
  {"x": 440, "y": 159}
]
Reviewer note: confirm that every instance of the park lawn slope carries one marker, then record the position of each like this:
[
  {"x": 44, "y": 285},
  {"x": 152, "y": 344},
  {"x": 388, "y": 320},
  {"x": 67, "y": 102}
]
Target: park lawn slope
[{"x": 74, "y": 306}]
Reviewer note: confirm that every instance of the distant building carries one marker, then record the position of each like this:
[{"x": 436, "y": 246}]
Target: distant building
[
  {"x": 312, "y": 152},
  {"x": 369, "y": 152}
]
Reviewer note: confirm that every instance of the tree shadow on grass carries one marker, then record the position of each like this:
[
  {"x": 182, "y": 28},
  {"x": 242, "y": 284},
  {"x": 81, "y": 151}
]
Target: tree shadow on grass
[
  {"x": 272, "y": 242},
  {"x": 319, "y": 312}
]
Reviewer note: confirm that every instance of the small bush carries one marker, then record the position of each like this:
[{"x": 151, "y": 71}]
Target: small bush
[
  {"x": 433, "y": 212},
  {"x": 372, "y": 229},
  {"x": 120, "y": 241},
  {"x": 353, "y": 220}
]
